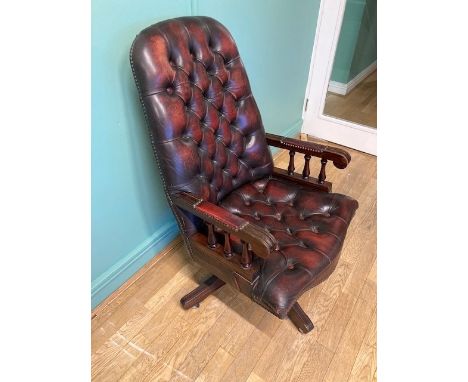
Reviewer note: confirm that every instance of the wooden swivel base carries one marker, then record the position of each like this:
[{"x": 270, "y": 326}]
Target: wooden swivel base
[
  {"x": 298, "y": 317},
  {"x": 195, "y": 297}
]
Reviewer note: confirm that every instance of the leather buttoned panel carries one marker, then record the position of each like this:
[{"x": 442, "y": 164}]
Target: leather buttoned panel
[
  {"x": 204, "y": 123},
  {"x": 309, "y": 226}
]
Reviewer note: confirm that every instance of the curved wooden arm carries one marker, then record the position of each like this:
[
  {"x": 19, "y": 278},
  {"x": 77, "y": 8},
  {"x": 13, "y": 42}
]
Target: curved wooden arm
[
  {"x": 261, "y": 241},
  {"x": 340, "y": 158}
]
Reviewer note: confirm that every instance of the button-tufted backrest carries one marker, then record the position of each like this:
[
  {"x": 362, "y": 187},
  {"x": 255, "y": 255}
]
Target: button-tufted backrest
[{"x": 205, "y": 126}]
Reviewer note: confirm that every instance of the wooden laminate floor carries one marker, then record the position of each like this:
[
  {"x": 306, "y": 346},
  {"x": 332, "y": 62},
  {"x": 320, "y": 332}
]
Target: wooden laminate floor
[
  {"x": 359, "y": 106},
  {"x": 143, "y": 334}
]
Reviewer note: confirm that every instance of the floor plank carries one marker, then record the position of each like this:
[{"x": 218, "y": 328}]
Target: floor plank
[
  {"x": 333, "y": 329},
  {"x": 365, "y": 365},
  {"x": 259, "y": 339},
  {"x": 216, "y": 367},
  {"x": 350, "y": 343},
  {"x": 316, "y": 365}
]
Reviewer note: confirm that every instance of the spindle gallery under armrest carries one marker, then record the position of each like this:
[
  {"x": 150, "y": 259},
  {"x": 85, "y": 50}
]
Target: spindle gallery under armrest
[
  {"x": 255, "y": 240},
  {"x": 299, "y": 179},
  {"x": 340, "y": 159},
  {"x": 216, "y": 255}
]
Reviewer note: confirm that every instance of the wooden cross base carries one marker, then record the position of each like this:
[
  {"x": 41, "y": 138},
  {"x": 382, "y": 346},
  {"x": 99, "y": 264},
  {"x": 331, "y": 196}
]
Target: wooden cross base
[
  {"x": 300, "y": 319},
  {"x": 195, "y": 297}
]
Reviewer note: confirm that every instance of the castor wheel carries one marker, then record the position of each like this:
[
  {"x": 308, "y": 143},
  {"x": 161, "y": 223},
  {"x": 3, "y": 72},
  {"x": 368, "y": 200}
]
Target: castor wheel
[{"x": 196, "y": 306}]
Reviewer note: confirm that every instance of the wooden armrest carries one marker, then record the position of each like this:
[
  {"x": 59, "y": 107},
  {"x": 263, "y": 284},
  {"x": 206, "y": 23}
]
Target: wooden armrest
[
  {"x": 261, "y": 241},
  {"x": 340, "y": 158}
]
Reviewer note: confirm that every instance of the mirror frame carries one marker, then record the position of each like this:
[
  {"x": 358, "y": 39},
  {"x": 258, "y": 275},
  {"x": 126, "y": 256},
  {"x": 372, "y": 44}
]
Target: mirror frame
[{"x": 346, "y": 133}]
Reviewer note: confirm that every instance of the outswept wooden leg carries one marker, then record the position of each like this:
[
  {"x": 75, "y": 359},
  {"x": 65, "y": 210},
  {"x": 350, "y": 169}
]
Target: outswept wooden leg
[
  {"x": 201, "y": 292},
  {"x": 300, "y": 319}
]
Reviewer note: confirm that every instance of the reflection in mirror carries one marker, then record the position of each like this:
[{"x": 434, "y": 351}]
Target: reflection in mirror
[{"x": 352, "y": 91}]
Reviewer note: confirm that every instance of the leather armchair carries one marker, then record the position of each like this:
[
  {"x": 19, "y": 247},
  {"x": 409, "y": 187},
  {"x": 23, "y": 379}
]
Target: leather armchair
[{"x": 270, "y": 233}]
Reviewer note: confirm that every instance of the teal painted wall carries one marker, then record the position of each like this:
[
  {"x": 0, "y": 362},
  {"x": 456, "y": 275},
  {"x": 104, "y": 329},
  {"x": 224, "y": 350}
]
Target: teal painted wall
[
  {"x": 131, "y": 221},
  {"x": 366, "y": 45},
  {"x": 357, "y": 46},
  {"x": 275, "y": 40}
]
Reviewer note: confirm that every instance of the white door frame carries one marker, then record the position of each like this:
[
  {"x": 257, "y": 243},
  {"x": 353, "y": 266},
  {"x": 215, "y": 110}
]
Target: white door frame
[{"x": 315, "y": 123}]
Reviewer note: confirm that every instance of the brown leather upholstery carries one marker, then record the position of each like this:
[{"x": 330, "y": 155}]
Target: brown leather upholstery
[
  {"x": 199, "y": 106},
  {"x": 208, "y": 138},
  {"x": 309, "y": 226}
]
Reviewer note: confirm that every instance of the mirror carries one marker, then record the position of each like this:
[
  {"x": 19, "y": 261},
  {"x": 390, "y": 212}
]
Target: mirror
[{"x": 352, "y": 90}]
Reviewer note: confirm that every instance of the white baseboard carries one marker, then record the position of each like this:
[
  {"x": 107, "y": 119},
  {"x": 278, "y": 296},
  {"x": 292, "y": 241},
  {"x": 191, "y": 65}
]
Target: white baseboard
[
  {"x": 343, "y": 89},
  {"x": 337, "y": 87}
]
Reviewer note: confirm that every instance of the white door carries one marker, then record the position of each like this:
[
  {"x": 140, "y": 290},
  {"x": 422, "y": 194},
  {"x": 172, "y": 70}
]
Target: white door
[{"x": 316, "y": 122}]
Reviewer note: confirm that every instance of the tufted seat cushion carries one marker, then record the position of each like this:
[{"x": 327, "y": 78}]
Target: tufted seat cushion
[{"x": 310, "y": 227}]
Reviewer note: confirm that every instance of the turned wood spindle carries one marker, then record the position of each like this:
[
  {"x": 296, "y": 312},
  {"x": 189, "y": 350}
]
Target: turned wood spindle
[
  {"x": 227, "y": 245},
  {"x": 211, "y": 236},
  {"x": 322, "y": 176},
  {"x": 246, "y": 257},
  {"x": 306, "y": 171},
  {"x": 291, "y": 163}
]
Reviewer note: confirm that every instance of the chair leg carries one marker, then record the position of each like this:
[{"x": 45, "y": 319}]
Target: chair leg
[
  {"x": 195, "y": 297},
  {"x": 300, "y": 319}
]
